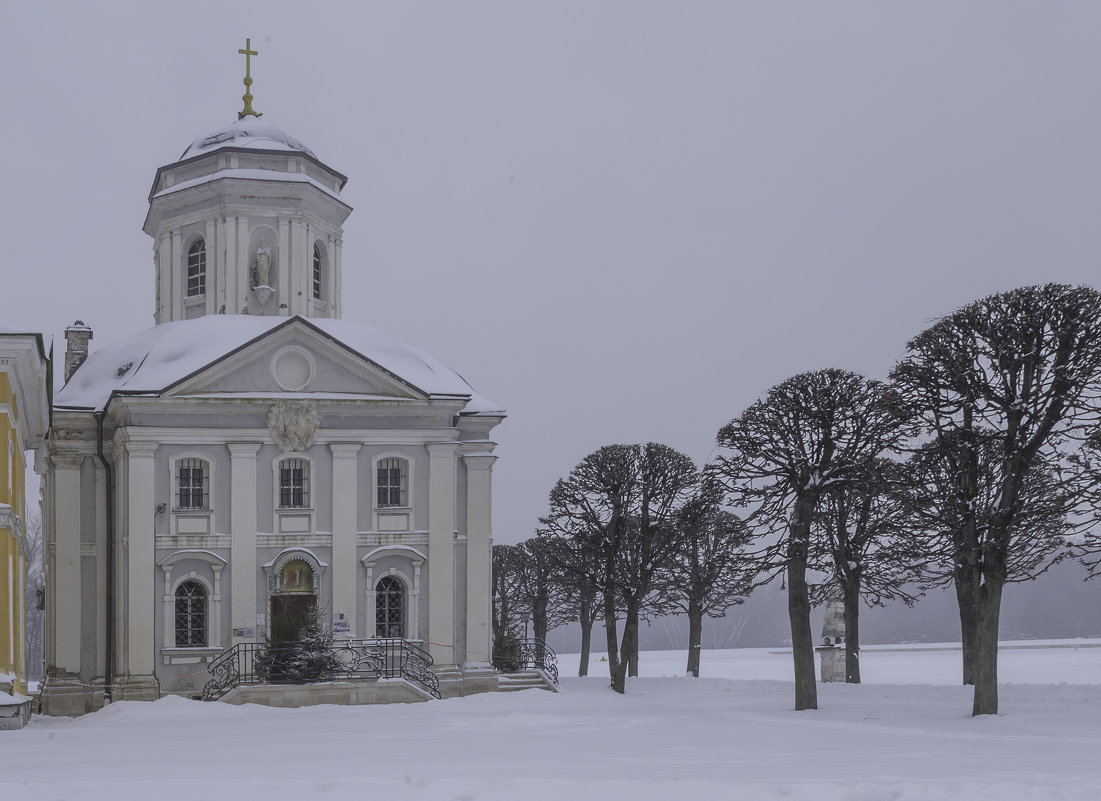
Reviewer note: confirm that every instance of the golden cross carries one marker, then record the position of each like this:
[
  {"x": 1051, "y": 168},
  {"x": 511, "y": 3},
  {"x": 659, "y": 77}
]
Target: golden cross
[{"x": 248, "y": 52}]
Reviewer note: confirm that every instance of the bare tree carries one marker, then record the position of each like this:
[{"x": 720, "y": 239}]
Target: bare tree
[
  {"x": 810, "y": 435},
  {"x": 863, "y": 541},
  {"x": 710, "y": 572},
  {"x": 541, "y": 586},
  {"x": 508, "y": 608},
  {"x": 576, "y": 554},
  {"x": 951, "y": 492},
  {"x": 34, "y": 617},
  {"x": 625, "y": 499},
  {"x": 1025, "y": 365}
]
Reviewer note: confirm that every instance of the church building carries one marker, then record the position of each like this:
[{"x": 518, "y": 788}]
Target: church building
[{"x": 252, "y": 455}]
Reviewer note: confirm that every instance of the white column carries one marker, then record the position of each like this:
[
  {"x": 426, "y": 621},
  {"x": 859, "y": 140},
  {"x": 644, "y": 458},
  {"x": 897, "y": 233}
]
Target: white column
[
  {"x": 176, "y": 276},
  {"x": 479, "y": 556},
  {"x": 212, "y": 261},
  {"x": 284, "y": 266},
  {"x": 65, "y": 581},
  {"x": 242, "y": 536},
  {"x": 338, "y": 279},
  {"x": 221, "y": 268},
  {"x": 345, "y": 515},
  {"x": 441, "y": 552},
  {"x": 140, "y": 553},
  {"x": 241, "y": 268},
  {"x": 164, "y": 280}
]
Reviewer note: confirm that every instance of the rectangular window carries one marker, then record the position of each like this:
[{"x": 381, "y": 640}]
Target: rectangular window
[
  {"x": 392, "y": 483},
  {"x": 192, "y": 484},
  {"x": 294, "y": 478}
]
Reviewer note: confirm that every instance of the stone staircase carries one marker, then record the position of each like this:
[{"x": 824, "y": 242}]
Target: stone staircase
[{"x": 524, "y": 680}]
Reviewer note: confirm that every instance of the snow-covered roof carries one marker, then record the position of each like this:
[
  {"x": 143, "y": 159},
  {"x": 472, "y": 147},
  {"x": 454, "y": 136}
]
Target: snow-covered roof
[
  {"x": 250, "y": 174},
  {"x": 157, "y": 358},
  {"x": 248, "y": 132}
]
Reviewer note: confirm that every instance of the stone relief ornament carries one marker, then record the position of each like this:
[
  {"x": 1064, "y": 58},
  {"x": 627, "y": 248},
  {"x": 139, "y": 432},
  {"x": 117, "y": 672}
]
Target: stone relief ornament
[{"x": 293, "y": 424}]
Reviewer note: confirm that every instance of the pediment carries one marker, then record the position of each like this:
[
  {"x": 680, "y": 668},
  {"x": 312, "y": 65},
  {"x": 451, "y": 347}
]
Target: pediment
[{"x": 294, "y": 359}]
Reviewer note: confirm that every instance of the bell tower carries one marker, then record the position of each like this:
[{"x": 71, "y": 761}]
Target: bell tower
[{"x": 247, "y": 221}]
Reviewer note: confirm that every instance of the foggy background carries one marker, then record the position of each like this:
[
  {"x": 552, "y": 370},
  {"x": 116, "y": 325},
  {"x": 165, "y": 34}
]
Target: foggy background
[{"x": 622, "y": 221}]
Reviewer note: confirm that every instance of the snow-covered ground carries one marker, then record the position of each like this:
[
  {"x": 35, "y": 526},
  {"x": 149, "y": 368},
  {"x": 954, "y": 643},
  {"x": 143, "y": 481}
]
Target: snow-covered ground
[{"x": 905, "y": 734}]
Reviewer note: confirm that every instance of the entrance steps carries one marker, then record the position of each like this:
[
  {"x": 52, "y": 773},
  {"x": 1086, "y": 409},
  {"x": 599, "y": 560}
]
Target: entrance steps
[{"x": 524, "y": 680}]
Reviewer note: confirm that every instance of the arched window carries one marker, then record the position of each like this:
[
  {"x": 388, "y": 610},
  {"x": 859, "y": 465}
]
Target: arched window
[
  {"x": 190, "y": 615},
  {"x": 196, "y": 268},
  {"x": 192, "y": 484},
  {"x": 294, "y": 484},
  {"x": 393, "y": 482},
  {"x": 390, "y": 607},
  {"x": 318, "y": 270}
]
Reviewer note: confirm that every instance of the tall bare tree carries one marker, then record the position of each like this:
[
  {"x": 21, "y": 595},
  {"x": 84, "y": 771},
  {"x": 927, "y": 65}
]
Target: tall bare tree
[
  {"x": 625, "y": 499},
  {"x": 576, "y": 554},
  {"x": 951, "y": 492},
  {"x": 810, "y": 435},
  {"x": 1025, "y": 365},
  {"x": 863, "y": 541},
  {"x": 711, "y": 571},
  {"x": 509, "y": 619},
  {"x": 541, "y": 586}
]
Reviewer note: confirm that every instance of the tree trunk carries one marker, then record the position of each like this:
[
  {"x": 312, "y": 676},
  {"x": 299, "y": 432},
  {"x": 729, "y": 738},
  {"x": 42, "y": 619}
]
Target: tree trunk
[
  {"x": 586, "y": 640},
  {"x": 632, "y": 661},
  {"x": 539, "y": 620},
  {"x": 618, "y": 677},
  {"x": 986, "y": 657},
  {"x": 851, "y": 591},
  {"x": 695, "y": 637},
  {"x": 802, "y": 641},
  {"x": 967, "y": 600},
  {"x": 628, "y": 651}
]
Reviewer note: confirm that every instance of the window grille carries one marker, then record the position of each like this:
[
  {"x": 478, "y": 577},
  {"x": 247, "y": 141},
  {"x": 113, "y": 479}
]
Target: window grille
[
  {"x": 294, "y": 484},
  {"x": 392, "y": 481},
  {"x": 390, "y": 607},
  {"x": 196, "y": 269},
  {"x": 190, "y": 615},
  {"x": 192, "y": 484},
  {"x": 317, "y": 263}
]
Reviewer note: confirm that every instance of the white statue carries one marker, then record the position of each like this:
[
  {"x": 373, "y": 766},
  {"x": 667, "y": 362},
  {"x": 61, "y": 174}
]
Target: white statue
[{"x": 263, "y": 263}]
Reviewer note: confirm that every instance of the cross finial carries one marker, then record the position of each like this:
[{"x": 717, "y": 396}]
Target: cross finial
[{"x": 248, "y": 52}]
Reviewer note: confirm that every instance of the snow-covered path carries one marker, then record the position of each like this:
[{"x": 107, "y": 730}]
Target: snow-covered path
[{"x": 669, "y": 737}]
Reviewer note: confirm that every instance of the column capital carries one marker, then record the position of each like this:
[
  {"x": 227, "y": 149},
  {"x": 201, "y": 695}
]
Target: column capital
[
  {"x": 442, "y": 448},
  {"x": 345, "y": 450},
  {"x": 243, "y": 450},
  {"x": 479, "y": 461},
  {"x": 138, "y": 450}
]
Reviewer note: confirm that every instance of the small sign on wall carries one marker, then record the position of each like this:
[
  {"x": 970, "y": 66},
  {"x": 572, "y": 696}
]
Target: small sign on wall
[
  {"x": 247, "y": 631},
  {"x": 340, "y": 623}
]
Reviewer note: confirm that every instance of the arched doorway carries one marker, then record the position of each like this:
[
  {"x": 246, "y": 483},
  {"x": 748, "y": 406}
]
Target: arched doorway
[{"x": 295, "y": 597}]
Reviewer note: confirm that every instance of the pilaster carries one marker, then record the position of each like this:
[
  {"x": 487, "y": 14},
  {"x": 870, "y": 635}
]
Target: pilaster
[
  {"x": 140, "y": 559},
  {"x": 65, "y": 612},
  {"x": 177, "y": 275},
  {"x": 441, "y": 551},
  {"x": 344, "y": 500},
  {"x": 242, "y": 542},
  {"x": 479, "y": 556}
]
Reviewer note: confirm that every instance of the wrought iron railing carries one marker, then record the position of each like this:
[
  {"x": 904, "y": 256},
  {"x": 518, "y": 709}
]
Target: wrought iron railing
[
  {"x": 533, "y": 653},
  {"x": 290, "y": 663}
]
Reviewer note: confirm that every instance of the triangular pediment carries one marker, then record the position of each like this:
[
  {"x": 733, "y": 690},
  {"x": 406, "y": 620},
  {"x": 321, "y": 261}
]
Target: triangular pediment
[{"x": 295, "y": 359}]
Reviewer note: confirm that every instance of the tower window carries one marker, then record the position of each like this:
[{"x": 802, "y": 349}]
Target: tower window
[
  {"x": 196, "y": 268},
  {"x": 318, "y": 263}
]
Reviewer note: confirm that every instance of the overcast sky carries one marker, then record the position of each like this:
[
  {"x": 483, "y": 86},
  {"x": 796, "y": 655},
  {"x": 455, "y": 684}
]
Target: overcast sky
[{"x": 622, "y": 221}]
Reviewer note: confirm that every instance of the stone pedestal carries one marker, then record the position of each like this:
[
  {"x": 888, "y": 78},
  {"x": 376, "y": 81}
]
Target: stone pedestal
[
  {"x": 833, "y": 662},
  {"x": 479, "y": 678}
]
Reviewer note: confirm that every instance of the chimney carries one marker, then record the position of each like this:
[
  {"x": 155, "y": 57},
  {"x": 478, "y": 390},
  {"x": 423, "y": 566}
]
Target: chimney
[{"x": 76, "y": 347}]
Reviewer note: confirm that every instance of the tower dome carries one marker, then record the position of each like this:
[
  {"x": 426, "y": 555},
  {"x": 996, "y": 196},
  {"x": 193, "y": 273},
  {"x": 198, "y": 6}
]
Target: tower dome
[{"x": 247, "y": 221}]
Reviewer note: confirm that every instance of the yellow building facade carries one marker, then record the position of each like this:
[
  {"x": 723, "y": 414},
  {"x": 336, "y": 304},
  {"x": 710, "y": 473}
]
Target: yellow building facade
[{"x": 24, "y": 418}]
